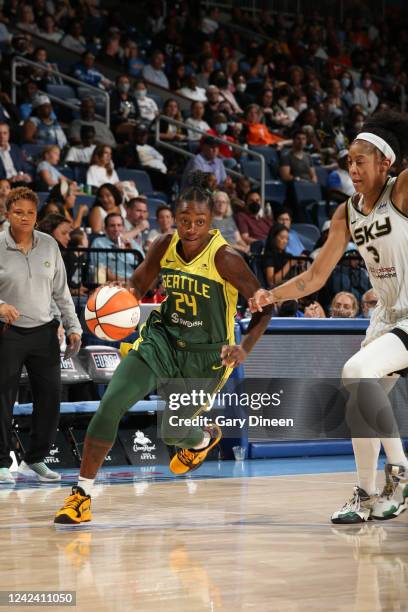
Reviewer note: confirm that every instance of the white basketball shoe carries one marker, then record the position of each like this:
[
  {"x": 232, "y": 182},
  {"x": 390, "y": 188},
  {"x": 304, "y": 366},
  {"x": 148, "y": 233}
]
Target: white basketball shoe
[
  {"x": 6, "y": 477},
  {"x": 357, "y": 509},
  {"x": 394, "y": 497},
  {"x": 38, "y": 470}
]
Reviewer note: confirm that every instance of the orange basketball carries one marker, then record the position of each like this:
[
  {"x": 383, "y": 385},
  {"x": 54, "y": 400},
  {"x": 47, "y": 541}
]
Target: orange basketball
[{"x": 112, "y": 313}]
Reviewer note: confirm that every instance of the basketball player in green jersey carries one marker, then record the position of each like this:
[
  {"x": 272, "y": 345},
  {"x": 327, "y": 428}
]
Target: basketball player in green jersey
[{"x": 191, "y": 337}]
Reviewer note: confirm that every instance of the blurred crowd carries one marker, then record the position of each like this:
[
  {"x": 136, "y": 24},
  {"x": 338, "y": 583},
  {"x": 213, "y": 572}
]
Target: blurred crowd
[{"x": 217, "y": 87}]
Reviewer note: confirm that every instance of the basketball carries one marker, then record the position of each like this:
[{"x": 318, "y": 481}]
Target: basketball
[{"x": 112, "y": 313}]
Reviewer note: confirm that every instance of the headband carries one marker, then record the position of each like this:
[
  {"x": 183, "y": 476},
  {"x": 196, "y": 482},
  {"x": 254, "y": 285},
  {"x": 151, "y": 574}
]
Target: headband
[{"x": 378, "y": 142}]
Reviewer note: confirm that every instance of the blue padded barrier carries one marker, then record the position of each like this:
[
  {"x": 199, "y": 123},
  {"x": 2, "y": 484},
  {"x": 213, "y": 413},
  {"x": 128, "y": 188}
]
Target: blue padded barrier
[
  {"x": 289, "y": 324},
  {"x": 89, "y": 407},
  {"x": 303, "y": 448}
]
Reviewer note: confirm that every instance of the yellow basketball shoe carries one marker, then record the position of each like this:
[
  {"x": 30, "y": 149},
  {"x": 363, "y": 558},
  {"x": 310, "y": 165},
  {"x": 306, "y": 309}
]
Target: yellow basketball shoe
[
  {"x": 189, "y": 459},
  {"x": 76, "y": 509}
]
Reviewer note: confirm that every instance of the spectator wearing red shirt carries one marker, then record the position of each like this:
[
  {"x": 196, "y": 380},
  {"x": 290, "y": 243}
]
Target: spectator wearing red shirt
[{"x": 252, "y": 226}]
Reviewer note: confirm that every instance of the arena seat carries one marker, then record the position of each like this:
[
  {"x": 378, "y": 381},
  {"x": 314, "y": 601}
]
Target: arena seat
[{"x": 308, "y": 233}]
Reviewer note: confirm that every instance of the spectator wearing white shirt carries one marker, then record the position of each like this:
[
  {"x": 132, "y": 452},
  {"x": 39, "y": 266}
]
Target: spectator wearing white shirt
[
  {"x": 148, "y": 108},
  {"x": 49, "y": 31},
  {"x": 339, "y": 181},
  {"x": 153, "y": 72},
  {"x": 196, "y": 121},
  {"x": 82, "y": 154},
  {"x": 191, "y": 90},
  {"x": 47, "y": 173},
  {"x": 101, "y": 170},
  {"x": 74, "y": 41},
  {"x": 364, "y": 95},
  {"x": 149, "y": 157}
]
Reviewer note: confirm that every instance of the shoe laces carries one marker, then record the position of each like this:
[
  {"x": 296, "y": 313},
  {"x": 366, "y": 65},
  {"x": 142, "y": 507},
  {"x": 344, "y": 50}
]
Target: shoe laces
[
  {"x": 73, "y": 501},
  {"x": 354, "y": 503},
  {"x": 186, "y": 456}
]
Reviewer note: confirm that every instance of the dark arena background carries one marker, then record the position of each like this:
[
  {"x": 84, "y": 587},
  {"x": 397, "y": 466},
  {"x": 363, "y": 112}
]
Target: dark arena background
[{"x": 108, "y": 111}]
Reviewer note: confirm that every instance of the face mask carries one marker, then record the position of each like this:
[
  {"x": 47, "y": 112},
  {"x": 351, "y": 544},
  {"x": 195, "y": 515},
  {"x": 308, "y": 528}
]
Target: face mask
[
  {"x": 345, "y": 81},
  {"x": 370, "y": 313},
  {"x": 358, "y": 125},
  {"x": 123, "y": 87},
  {"x": 221, "y": 128},
  {"x": 254, "y": 207},
  {"x": 140, "y": 93},
  {"x": 241, "y": 87},
  {"x": 367, "y": 83},
  {"x": 302, "y": 107}
]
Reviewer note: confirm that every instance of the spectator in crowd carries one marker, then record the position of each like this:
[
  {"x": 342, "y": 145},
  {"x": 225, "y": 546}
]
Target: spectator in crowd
[
  {"x": 289, "y": 308},
  {"x": 169, "y": 131},
  {"x": 133, "y": 63},
  {"x": 219, "y": 127},
  {"x": 101, "y": 170},
  {"x": 82, "y": 153},
  {"x": 314, "y": 311},
  {"x": 12, "y": 164},
  {"x": 49, "y": 30},
  {"x": 149, "y": 157},
  {"x": 29, "y": 92},
  {"x": 50, "y": 208},
  {"x": 136, "y": 223},
  {"x": 27, "y": 20},
  {"x": 252, "y": 226},
  {"x": 111, "y": 53},
  {"x": 191, "y": 90},
  {"x": 77, "y": 263},
  {"x": 219, "y": 79},
  {"x": 350, "y": 275},
  {"x": 296, "y": 164},
  {"x": 153, "y": 71},
  {"x": 344, "y": 305},
  {"x": 297, "y": 104},
  {"x": 74, "y": 41},
  {"x": 43, "y": 129},
  {"x": 107, "y": 200},
  {"x": 26, "y": 313},
  {"x": 148, "y": 108},
  {"x": 113, "y": 266},
  {"x": 278, "y": 264},
  {"x": 207, "y": 161},
  {"x": 256, "y": 133},
  {"x": 124, "y": 108},
  {"x": 224, "y": 221},
  {"x": 365, "y": 95},
  {"x": 207, "y": 68},
  {"x": 369, "y": 302},
  {"x": 86, "y": 72},
  {"x": 57, "y": 226},
  {"x": 5, "y": 188},
  {"x": 63, "y": 197},
  {"x": 103, "y": 135},
  {"x": 196, "y": 121},
  {"x": 48, "y": 174},
  {"x": 339, "y": 183},
  {"x": 295, "y": 246},
  {"x": 242, "y": 97},
  {"x": 165, "y": 220}
]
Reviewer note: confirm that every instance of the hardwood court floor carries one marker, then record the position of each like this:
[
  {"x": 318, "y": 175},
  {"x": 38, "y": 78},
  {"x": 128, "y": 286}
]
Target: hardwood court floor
[{"x": 222, "y": 544}]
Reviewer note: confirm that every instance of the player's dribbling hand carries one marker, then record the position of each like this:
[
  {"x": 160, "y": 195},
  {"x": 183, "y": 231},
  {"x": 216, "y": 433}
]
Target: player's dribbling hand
[
  {"x": 233, "y": 355},
  {"x": 9, "y": 313},
  {"x": 261, "y": 298}
]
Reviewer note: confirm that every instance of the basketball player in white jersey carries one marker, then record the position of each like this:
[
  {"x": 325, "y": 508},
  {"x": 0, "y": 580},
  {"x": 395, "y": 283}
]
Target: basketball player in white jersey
[{"x": 376, "y": 218}]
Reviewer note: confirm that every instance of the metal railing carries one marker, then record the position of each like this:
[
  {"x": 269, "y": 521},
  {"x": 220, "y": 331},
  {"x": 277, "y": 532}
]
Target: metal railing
[
  {"x": 233, "y": 145},
  {"x": 94, "y": 92}
]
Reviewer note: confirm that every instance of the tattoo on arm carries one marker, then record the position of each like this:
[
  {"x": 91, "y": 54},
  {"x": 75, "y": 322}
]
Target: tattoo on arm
[{"x": 300, "y": 284}]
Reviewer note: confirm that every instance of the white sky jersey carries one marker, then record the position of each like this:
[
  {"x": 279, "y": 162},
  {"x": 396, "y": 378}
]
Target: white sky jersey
[{"x": 382, "y": 240}]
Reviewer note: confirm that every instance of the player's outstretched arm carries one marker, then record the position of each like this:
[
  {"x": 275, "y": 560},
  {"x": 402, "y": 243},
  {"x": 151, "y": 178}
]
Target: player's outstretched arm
[
  {"x": 147, "y": 273},
  {"x": 233, "y": 268},
  {"x": 315, "y": 277}
]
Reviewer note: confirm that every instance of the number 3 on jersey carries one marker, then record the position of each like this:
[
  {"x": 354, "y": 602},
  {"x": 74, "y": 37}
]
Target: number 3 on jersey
[{"x": 184, "y": 300}]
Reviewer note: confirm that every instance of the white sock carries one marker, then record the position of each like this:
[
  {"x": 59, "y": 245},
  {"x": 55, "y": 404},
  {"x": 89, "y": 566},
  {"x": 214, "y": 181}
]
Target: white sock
[
  {"x": 394, "y": 451},
  {"x": 204, "y": 442},
  {"x": 86, "y": 484},
  {"x": 366, "y": 452}
]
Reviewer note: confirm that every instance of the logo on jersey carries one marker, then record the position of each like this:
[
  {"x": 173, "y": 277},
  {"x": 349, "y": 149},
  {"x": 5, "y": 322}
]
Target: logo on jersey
[
  {"x": 367, "y": 233},
  {"x": 382, "y": 207},
  {"x": 175, "y": 318}
]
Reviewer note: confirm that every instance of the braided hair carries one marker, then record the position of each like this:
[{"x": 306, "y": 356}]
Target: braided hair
[{"x": 198, "y": 190}]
